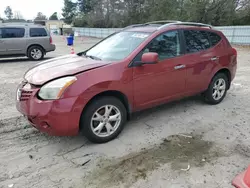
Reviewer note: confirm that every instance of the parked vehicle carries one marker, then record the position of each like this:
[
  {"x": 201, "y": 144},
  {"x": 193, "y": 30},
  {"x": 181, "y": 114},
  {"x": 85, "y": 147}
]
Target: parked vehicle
[
  {"x": 142, "y": 66},
  {"x": 30, "y": 40},
  {"x": 242, "y": 180}
]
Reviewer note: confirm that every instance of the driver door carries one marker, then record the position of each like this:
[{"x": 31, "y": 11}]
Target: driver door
[{"x": 157, "y": 83}]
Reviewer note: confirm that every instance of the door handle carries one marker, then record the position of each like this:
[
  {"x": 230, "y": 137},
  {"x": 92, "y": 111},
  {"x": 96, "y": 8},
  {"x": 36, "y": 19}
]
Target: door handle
[
  {"x": 214, "y": 58},
  {"x": 179, "y": 67}
]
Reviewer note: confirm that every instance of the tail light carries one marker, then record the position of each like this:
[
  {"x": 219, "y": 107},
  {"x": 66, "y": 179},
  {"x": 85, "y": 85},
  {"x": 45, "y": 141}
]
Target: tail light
[
  {"x": 235, "y": 52},
  {"x": 50, "y": 40}
]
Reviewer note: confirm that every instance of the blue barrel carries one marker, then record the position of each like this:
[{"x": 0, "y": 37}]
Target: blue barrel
[{"x": 70, "y": 40}]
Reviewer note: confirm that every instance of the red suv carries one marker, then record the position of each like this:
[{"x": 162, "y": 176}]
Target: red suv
[{"x": 143, "y": 65}]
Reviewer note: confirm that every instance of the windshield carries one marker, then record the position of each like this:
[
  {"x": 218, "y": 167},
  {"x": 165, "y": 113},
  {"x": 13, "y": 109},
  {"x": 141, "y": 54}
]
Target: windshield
[{"x": 118, "y": 46}]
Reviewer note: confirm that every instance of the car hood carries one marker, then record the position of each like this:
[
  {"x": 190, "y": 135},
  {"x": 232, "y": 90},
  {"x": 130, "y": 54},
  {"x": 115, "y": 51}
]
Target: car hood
[{"x": 61, "y": 66}]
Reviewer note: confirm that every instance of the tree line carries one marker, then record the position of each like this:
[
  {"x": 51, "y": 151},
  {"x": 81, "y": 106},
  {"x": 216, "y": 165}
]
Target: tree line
[{"x": 120, "y": 13}]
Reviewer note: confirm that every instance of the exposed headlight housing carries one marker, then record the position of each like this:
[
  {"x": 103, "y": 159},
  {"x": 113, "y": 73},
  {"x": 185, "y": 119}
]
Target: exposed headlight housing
[{"x": 55, "y": 89}]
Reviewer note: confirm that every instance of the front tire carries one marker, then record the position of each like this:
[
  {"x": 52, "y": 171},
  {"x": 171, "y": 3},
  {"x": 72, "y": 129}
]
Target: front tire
[
  {"x": 217, "y": 89},
  {"x": 103, "y": 120},
  {"x": 36, "y": 53}
]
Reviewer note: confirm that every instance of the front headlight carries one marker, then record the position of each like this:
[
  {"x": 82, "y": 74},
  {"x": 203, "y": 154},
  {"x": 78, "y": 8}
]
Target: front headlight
[{"x": 54, "y": 89}]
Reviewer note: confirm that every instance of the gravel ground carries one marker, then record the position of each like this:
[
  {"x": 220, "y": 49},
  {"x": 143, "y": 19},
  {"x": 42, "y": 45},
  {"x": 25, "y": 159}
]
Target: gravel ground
[{"x": 182, "y": 144}]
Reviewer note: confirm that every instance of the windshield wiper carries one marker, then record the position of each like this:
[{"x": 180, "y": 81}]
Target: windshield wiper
[{"x": 93, "y": 57}]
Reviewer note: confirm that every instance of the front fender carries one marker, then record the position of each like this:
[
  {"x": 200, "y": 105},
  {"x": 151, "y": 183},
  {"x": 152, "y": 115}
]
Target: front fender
[{"x": 91, "y": 83}]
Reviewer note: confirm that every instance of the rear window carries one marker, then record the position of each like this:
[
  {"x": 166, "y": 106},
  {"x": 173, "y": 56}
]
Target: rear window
[
  {"x": 214, "y": 38},
  {"x": 196, "y": 41},
  {"x": 13, "y": 32},
  {"x": 38, "y": 32}
]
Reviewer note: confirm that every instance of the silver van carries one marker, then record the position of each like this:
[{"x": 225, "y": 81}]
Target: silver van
[{"x": 30, "y": 40}]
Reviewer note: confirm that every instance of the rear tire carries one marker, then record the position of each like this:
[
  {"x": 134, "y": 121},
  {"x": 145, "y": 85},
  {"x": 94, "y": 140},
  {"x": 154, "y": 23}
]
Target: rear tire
[
  {"x": 217, "y": 89},
  {"x": 36, "y": 53},
  {"x": 103, "y": 120}
]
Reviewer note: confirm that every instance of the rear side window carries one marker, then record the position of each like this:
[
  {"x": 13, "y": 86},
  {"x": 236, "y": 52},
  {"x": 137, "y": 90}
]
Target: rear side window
[
  {"x": 38, "y": 32},
  {"x": 196, "y": 40},
  {"x": 214, "y": 38},
  {"x": 13, "y": 32},
  {"x": 0, "y": 33}
]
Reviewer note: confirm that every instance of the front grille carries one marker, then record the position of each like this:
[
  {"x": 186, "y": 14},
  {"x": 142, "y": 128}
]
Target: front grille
[{"x": 25, "y": 95}]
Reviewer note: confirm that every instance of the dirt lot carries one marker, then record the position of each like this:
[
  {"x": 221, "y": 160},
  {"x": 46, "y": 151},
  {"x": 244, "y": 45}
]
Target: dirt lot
[{"x": 179, "y": 145}]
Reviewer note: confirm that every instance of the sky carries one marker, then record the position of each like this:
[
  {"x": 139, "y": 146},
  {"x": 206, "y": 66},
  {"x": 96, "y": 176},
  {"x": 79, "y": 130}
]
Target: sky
[{"x": 30, "y": 8}]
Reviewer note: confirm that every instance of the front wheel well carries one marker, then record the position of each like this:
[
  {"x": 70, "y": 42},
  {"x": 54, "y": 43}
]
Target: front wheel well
[
  {"x": 227, "y": 73},
  {"x": 117, "y": 94}
]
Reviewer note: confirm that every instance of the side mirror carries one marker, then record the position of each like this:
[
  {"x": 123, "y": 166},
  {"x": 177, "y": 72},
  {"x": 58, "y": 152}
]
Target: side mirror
[{"x": 150, "y": 58}]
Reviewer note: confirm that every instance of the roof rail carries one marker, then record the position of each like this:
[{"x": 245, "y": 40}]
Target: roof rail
[
  {"x": 135, "y": 25},
  {"x": 132, "y": 26},
  {"x": 149, "y": 23},
  {"x": 167, "y": 23},
  {"x": 186, "y": 23},
  {"x": 18, "y": 23},
  {"x": 163, "y": 21}
]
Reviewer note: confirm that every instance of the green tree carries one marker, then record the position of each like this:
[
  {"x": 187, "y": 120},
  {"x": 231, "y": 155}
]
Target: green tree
[
  {"x": 40, "y": 16},
  {"x": 69, "y": 11},
  {"x": 242, "y": 16},
  {"x": 120, "y": 13},
  {"x": 86, "y": 6},
  {"x": 53, "y": 16},
  {"x": 8, "y": 12}
]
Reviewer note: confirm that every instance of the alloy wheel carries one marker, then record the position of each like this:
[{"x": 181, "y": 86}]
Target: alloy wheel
[
  {"x": 219, "y": 89},
  {"x": 36, "y": 53},
  {"x": 105, "y": 121}
]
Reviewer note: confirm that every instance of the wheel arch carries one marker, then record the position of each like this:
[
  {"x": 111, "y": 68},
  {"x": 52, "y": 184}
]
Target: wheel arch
[
  {"x": 27, "y": 51},
  {"x": 227, "y": 73},
  {"x": 111, "y": 93}
]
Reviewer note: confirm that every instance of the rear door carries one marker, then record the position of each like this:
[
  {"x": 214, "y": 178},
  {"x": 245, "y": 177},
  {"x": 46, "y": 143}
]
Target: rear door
[
  {"x": 200, "y": 58},
  {"x": 40, "y": 36},
  {"x": 2, "y": 46},
  {"x": 14, "y": 40}
]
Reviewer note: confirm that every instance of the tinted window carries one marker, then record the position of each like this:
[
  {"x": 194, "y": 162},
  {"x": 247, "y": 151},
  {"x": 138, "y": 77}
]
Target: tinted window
[
  {"x": 166, "y": 45},
  {"x": 0, "y": 33},
  {"x": 38, "y": 32},
  {"x": 13, "y": 32},
  {"x": 196, "y": 40},
  {"x": 215, "y": 39}
]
